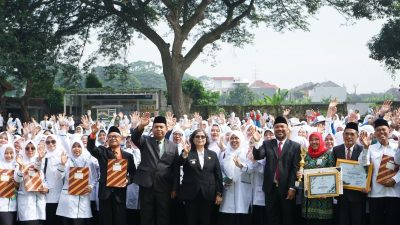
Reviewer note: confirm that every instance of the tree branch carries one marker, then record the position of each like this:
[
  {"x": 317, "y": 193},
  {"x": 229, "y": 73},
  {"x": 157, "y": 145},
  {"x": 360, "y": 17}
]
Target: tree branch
[
  {"x": 197, "y": 16},
  {"x": 212, "y": 36}
]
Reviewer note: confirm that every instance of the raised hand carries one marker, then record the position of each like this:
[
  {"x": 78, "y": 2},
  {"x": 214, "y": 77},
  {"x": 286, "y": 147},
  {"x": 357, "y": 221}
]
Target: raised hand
[
  {"x": 25, "y": 128},
  {"x": 186, "y": 149},
  {"x": 365, "y": 139},
  {"x": 95, "y": 128},
  {"x": 221, "y": 144},
  {"x": 64, "y": 158},
  {"x": 85, "y": 122},
  {"x": 385, "y": 107},
  {"x": 41, "y": 150},
  {"x": 11, "y": 128},
  {"x": 237, "y": 162},
  {"x": 286, "y": 113},
  {"x": 256, "y": 136},
  {"x": 144, "y": 120}
]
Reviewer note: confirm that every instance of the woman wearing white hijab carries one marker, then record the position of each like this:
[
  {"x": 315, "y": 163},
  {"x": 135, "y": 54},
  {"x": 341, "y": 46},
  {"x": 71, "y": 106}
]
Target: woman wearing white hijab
[
  {"x": 216, "y": 144},
  {"x": 75, "y": 209},
  {"x": 5, "y": 138},
  {"x": 236, "y": 170},
  {"x": 54, "y": 182},
  {"x": 31, "y": 205},
  {"x": 8, "y": 206}
]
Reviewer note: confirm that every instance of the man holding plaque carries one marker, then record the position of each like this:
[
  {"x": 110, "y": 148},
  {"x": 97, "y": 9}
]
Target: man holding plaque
[
  {"x": 282, "y": 158},
  {"x": 384, "y": 197},
  {"x": 351, "y": 205},
  {"x": 158, "y": 173},
  {"x": 116, "y": 171}
]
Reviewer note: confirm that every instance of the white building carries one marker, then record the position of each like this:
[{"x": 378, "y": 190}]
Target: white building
[{"x": 328, "y": 90}]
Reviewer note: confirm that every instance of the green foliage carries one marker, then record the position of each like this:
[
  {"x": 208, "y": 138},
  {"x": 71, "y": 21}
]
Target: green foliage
[
  {"x": 277, "y": 99},
  {"x": 92, "y": 81},
  {"x": 195, "y": 90},
  {"x": 385, "y": 47},
  {"x": 239, "y": 95},
  {"x": 55, "y": 100}
]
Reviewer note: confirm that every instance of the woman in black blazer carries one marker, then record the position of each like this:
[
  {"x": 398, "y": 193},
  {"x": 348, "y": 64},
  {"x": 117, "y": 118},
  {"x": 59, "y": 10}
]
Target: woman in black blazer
[{"x": 202, "y": 179}]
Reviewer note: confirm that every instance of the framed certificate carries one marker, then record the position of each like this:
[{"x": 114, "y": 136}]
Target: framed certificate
[
  {"x": 323, "y": 184},
  {"x": 355, "y": 176}
]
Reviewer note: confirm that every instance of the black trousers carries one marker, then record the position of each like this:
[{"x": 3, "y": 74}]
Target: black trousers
[
  {"x": 279, "y": 210},
  {"x": 350, "y": 213},
  {"x": 133, "y": 216},
  {"x": 8, "y": 218},
  {"x": 154, "y": 206},
  {"x": 198, "y": 210},
  {"x": 384, "y": 211},
  {"x": 95, "y": 214},
  {"x": 32, "y": 222},
  {"x": 112, "y": 212},
  {"x": 258, "y": 216},
  {"x": 234, "y": 219},
  {"x": 178, "y": 213},
  {"x": 51, "y": 217},
  {"x": 69, "y": 221}
]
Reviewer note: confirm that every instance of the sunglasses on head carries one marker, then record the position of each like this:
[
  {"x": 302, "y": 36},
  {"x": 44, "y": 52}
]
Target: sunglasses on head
[{"x": 52, "y": 142}]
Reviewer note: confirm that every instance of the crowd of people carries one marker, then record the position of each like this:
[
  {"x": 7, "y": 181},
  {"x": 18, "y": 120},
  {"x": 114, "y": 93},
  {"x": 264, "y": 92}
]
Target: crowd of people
[{"x": 223, "y": 170}]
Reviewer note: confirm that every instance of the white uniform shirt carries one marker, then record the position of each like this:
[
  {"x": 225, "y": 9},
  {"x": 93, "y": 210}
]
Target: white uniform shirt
[{"x": 374, "y": 155}]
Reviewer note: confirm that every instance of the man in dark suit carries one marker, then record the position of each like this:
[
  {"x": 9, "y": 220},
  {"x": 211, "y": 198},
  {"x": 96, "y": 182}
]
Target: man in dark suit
[
  {"x": 112, "y": 200},
  {"x": 157, "y": 171},
  {"x": 351, "y": 205},
  {"x": 282, "y": 158}
]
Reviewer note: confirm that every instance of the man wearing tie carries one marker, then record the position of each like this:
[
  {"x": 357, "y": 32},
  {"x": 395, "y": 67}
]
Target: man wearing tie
[
  {"x": 112, "y": 200},
  {"x": 351, "y": 205},
  {"x": 157, "y": 172},
  {"x": 282, "y": 158}
]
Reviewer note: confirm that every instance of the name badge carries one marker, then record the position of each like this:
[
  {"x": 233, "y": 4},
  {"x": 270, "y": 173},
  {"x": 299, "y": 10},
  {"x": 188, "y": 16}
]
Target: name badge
[
  {"x": 78, "y": 175},
  {"x": 319, "y": 161},
  {"x": 31, "y": 173},
  {"x": 5, "y": 178},
  {"x": 193, "y": 161},
  {"x": 390, "y": 165},
  {"x": 117, "y": 167}
]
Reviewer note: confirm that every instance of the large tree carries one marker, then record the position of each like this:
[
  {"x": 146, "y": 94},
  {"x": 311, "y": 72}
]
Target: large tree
[{"x": 194, "y": 26}]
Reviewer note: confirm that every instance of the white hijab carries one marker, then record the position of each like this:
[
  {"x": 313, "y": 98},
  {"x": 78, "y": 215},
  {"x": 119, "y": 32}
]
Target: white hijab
[
  {"x": 228, "y": 166},
  {"x": 81, "y": 160},
  {"x": 25, "y": 158},
  {"x": 3, "y": 163}
]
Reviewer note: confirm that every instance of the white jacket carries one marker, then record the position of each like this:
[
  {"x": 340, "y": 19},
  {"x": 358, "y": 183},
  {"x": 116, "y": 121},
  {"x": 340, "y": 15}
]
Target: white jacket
[
  {"x": 75, "y": 206},
  {"x": 31, "y": 205},
  {"x": 237, "y": 197}
]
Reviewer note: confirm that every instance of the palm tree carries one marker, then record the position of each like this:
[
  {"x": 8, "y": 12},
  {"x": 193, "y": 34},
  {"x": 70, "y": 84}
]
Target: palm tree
[{"x": 276, "y": 100}]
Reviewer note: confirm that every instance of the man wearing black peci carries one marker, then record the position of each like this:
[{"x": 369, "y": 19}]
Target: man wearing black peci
[
  {"x": 282, "y": 158},
  {"x": 112, "y": 200},
  {"x": 157, "y": 173}
]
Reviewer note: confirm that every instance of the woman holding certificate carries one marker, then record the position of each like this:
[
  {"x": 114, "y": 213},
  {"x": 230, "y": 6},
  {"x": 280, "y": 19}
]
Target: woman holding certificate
[
  {"x": 8, "y": 200},
  {"x": 318, "y": 210},
  {"x": 74, "y": 204}
]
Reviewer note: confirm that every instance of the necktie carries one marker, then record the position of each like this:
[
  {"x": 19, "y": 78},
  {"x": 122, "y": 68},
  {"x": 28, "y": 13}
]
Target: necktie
[
  {"x": 277, "y": 165},
  {"x": 348, "y": 154},
  {"x": 161, "y": 147}
]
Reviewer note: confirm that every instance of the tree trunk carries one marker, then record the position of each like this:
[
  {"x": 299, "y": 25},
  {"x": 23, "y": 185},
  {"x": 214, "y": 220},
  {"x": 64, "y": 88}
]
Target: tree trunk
[
  {"x": 174, "y": 87},
  {"x": 24, "y": 102}
]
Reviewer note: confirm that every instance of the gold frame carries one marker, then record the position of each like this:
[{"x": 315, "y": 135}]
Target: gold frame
[
  {"x": 337, "y": 178},
  {"x": 369, "y": 175}
]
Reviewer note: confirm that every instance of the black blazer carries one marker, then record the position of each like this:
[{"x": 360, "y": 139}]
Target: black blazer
[
  {"x": 153, "y": 171},
  {"x": 288, "y": 164},
  {"x": 103, "y": 154},
  {"x": 339, "y": 152},
  {"x": 208, "y": 180}
]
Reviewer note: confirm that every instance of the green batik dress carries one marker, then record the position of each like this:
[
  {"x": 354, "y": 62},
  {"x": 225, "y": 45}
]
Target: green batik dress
[{"x": 318, "y": 208}]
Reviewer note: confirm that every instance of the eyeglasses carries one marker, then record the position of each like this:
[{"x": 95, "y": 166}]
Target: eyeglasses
[
  {"x": 113, "y": 137},
  {"x": 200, "y": 137},
  {"x": 177, "y": 134},
  {"x": 29, "y": 148},
  {"x": 51, "y": 142}
]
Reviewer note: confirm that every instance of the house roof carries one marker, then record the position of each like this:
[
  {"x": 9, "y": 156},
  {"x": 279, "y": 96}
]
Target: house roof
[
  {"x": 262, "y": 84},
  {"x": 327, "y": 84},
  {"x": 223, "y": 78}
]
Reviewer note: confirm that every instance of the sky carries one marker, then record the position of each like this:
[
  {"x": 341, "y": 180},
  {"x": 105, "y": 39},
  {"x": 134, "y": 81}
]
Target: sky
[{"x": 332, "y": 50}]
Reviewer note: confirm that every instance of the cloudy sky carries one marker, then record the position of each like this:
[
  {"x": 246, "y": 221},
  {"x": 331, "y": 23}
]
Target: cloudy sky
[{"x": 332, "y": 50}]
